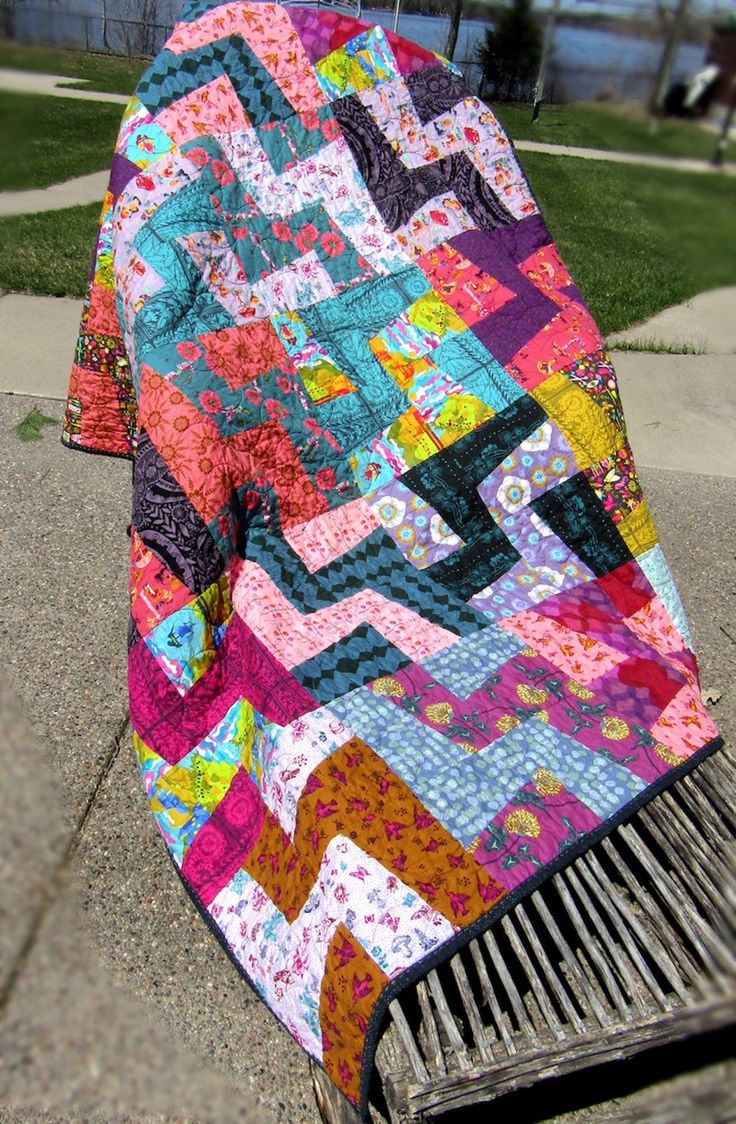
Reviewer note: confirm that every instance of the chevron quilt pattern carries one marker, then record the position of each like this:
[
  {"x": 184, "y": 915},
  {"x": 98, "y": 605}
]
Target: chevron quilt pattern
[{"x": 402, "y": 638}]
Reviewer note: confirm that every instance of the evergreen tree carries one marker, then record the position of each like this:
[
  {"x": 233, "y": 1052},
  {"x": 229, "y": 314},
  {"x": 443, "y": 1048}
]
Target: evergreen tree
[{"x": 509, "y": 58}]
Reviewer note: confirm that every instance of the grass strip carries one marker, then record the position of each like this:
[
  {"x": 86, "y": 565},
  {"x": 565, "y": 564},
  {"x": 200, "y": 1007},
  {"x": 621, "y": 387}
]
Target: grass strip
[
  {"x": 50, "y": 252},
  {"x": 109, "y": 73},
  {"x": 613, "y": 130},
  {"x": 636, "y": 239},
  {"x": 54, "y": 139},
  {"x": 655, "y": 346}
]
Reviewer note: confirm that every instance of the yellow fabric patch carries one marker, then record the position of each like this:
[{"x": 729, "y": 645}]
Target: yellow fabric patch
[
  {"x": 592, "y": 436},
  {"x": 431, "y": 314},
  {"x": 461, "y": 414},
  {"x": 204, "y": 783},
  {"x": 414, "y": 438},
  {"x": 403, "y": 368},
  {"x": 323, "y": 381},
  {"x": 637, "y": 530}
]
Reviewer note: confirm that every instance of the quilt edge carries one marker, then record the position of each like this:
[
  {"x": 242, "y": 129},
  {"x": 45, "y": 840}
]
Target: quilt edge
[
  {"x": 520, "y": 893},
  {"x": 465, "y": 936}
]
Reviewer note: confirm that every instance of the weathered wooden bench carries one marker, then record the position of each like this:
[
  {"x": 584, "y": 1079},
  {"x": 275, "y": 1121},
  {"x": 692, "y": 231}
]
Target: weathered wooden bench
[{"x": 629, "y": 948}]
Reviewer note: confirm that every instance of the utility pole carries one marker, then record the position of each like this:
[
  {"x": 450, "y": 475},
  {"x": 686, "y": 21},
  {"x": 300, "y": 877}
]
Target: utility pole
[
  {"x": 665, "y": 66},
  {"x": 549, "y": 31}
]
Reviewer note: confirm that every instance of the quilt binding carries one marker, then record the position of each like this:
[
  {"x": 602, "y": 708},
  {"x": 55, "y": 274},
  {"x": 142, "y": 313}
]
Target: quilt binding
[{"x": 487, "y": 921}]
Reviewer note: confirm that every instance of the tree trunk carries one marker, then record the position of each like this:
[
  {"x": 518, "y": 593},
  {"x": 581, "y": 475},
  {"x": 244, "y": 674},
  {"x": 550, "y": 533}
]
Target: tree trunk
[
  {"x": 105, "y": 40},
  {"x": 455, "y": 16},
  {"x": 7, "y": 18}
]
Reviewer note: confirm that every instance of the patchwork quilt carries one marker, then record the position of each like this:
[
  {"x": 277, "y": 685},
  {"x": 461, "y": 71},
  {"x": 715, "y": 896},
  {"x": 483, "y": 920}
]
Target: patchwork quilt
[{"x": 402, "y": 640}]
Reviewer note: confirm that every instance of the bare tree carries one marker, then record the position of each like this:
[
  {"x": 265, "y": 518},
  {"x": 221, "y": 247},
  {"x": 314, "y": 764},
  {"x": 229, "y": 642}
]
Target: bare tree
[
  {"x": 139, "y": 26},
  {"x": 105, "y": 37}
]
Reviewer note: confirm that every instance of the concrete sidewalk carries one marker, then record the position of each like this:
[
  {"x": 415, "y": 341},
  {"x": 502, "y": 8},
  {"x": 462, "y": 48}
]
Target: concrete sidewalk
[
  {"x": 81, "y": 190},
  {"x": 53, "y": 85},
  {"x": 674, "y": 163},
  {"x": 680, "y": 409}
]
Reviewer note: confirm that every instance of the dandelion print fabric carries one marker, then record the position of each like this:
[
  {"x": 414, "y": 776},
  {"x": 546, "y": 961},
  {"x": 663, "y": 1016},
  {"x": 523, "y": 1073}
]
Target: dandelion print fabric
[{"x": 402, "y": 639}]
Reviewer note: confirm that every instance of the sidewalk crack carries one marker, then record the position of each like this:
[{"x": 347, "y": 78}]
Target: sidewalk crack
[{"x": 60, "y": 874}]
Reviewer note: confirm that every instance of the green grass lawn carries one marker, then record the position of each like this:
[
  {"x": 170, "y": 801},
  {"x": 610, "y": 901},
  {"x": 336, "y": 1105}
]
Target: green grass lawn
[
  {"x": 635, "y": 239},
  {"x": 50, "y": 252},
  {"x": 76, "y": 137},
  {"x": 102, "y": 72},
  {"x": 593, "y": 126}
]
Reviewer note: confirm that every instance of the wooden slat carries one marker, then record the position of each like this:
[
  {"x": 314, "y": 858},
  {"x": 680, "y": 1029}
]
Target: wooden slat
[
  {"x": 524, "y": 1022},
  {"x": 462, "y": 1090},
  {"x": 553, "y": 978},
  {"x": 491, "y": 999},
  {"x": 407, "y": 1040},
  {"x": 694, "y": 787},
  {"x": 627, "y": 923},
  {"x": 434, "y": 1054},
  {"x": 687, "y": 815},
  {"x": 594, "y": 1003},
  {"x": 628, "y": 976},
  {"x": 719, "y": 793},
  {"x": 660, "y": 925},
  {"x": 391, "y": 1066},
  {"x": 672, "y": 895},
  {"x": 471, "y": 1009},
  {"x": 714, "y": 868},
  {"x": 540, "y": 994},
  {"x": 719, "y": 768},
  {"x": 332, "y": 1104},
  {"x": 589, "y": 949},
  {"x": 448, "y": 1021},
  {"x": 684, "y": 861},
  {"x": 716, "y": 953}
]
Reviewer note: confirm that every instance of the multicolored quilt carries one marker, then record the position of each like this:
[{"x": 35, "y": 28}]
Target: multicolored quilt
[{"x": 402, "y": 639}]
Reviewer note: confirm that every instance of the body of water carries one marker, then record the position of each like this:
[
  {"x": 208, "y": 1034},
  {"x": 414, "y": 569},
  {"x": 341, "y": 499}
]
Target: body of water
[{"x": 587, "y": 62}]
